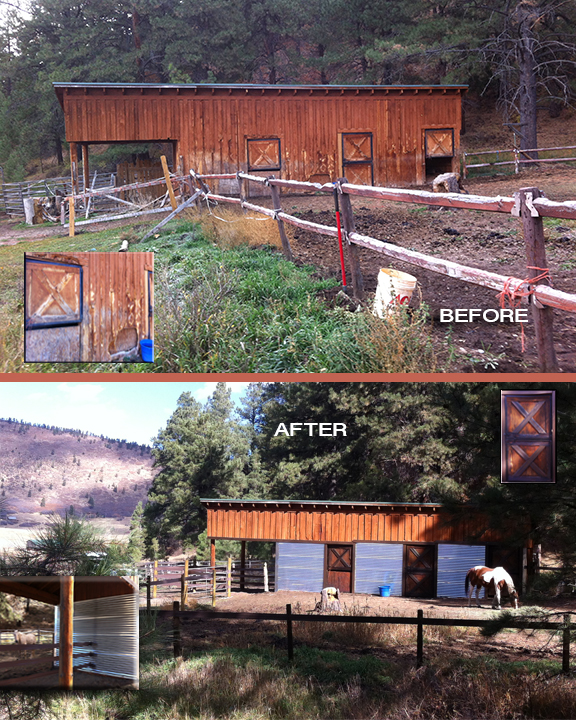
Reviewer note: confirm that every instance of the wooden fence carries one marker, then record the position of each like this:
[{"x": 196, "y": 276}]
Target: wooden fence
[
  {"x": 42, "y": 659},
  {"x": 527, "y": 204},
  {"x": 205, "y": 581},
  {"x": 515, "y": 157},
  {"x": 420, "y": 621}
]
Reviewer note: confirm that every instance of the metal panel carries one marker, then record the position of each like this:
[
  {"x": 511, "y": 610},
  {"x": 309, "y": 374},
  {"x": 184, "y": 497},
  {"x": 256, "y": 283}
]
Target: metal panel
[
  {"x": 111, "y": 623},
  {"x": 454, "y": 561},
  {"x": 300, "y": 566},
  {"x": 378, "y": 564}
]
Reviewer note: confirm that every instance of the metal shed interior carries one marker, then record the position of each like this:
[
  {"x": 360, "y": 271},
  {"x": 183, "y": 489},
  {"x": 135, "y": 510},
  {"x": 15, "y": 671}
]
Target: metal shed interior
[{"x": 382, "y": 135}]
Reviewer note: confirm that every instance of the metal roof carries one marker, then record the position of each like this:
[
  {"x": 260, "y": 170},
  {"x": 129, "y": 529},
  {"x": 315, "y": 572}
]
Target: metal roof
[{"x": 251, "y": 86}]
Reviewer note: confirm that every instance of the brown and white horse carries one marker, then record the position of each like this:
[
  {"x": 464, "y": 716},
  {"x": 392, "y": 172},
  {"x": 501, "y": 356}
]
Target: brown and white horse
[{"x": 494, "y": 578}]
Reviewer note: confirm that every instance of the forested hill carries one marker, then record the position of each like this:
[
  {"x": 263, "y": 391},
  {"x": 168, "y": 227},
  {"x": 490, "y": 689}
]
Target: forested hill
[
  {"x": 516, "y": 55},
  {"x": 404, "y": 442},
  {"x": 50, "y": 468}
]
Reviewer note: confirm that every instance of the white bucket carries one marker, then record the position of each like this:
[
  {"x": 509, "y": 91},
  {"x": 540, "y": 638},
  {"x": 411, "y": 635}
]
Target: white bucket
[{"x": 394, "y": 288}]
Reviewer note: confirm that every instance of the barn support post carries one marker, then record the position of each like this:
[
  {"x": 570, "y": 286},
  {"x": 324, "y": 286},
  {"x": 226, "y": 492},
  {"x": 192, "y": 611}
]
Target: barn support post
[
  {"x": 229, "y": 577},
  {"x": 214, "y": 586},
  {"x": 71, "y": 218},
  {"x": 85, "y": 166},
  {"x": 286, "y": 249},
  {"x": 242, "y": 565},
  {"x": 65, "y": 659},
  {"x": 155, "y": 578},
  {"x": 420, "y": 639},
  {"x": 543, "y": 317},
  {"x": 74, "y": 168},
  {"x": 350, "y": 227},
  {"x": 212, "y": 552},
  {"x": 184, "y": 598},
  {"x": 566, "y": 645},
  {"x": 289, "y": 632},
  {"x": 266, "y": 577},
  {"x": 176, "y": 629}
]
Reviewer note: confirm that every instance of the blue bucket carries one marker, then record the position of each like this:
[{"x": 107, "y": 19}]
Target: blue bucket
[
  {"x": 384, "y": 590},
  {"x": 147, "y": 350}
]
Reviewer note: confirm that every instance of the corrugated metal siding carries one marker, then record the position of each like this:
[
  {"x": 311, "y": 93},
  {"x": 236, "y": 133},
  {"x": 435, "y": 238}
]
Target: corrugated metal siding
[
  {"x": 378, "y": 564},
  {"x": 300, "y": 566},
  {"x": 111, "y": 623},
  {"x": 454, "y": 561}
]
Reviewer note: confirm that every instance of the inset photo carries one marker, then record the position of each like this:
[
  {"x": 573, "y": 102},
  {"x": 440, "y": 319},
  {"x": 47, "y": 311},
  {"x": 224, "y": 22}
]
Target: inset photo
[
  {"x": 89, "y": 307},
  {"x": 74, "y": 632}
]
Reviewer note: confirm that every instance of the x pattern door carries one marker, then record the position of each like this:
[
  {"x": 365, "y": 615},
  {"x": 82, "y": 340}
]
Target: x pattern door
[
  {"x": 357, "y": 158},
  {"x": 53, "y": 294},
  {"x": 339, "y": 567},
  {"x": 264, "y": 154},
  {"x": 420, "y": 571},
  {"x": 439, "y": 143},
  {"x": 528, "y": 436}
]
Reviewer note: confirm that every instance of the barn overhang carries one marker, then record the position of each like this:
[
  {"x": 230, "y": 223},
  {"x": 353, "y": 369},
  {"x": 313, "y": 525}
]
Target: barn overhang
[
  {"x": 348, "y": 522},
  {"x": 47, "y": 589}
]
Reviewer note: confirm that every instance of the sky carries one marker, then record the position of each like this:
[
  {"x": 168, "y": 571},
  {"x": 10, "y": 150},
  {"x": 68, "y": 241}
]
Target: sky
[{"x": 133, "y": 411}]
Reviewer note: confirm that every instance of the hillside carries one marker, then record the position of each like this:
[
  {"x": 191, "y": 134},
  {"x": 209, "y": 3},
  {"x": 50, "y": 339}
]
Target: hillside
[{"x": 45, "y": 469}]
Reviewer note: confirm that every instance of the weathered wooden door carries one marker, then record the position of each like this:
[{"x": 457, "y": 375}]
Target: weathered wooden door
[
  {"x": 439, "y": 143},
  {"x": 358, "y": 158},
  {"x": 339, "y": 566},
  {"x": 419, "y": 571},
  {"x": 53, "y": 311},
  {"x": 528, "y": 436},
  {"x": 510, "y": 558}
]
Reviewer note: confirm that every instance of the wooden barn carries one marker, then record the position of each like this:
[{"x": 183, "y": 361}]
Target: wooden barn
[
  {"x": 419, "y": 550},
  {"x": 87, "y": 306},
  {"x": 374, "y": 135},
  {"x": 95, "y": 631}
]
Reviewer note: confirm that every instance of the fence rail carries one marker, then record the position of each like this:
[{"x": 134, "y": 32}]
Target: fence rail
[
  {"x": 517, "y": 157},
  {"x": 419, "y": 621},
  {"x": 527, "y": 204}
]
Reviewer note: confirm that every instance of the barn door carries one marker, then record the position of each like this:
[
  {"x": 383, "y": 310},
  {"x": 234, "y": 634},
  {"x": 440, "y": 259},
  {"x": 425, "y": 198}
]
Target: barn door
[
  {"x": 420, "y": 571},
  {"x": 528, "y": 436},
  {"x": 357, "y": 158},
  {"x": 339, "y": 567},
  {"x": 510, "y": 558},
  {"x": 438, "y": 150},
  {"x": 53, "y": 311}
]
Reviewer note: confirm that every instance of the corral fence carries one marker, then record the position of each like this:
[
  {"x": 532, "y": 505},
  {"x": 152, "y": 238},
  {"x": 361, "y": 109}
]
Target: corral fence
[
  {"x": 527, "y": 204},
  {"x": 202, "y": 580},
  {"x": 14, "y": 194},
  {"x": 565, "y": 627},
  {"x": 515, "y": 157},
  {"x": 42, "y": 636}
]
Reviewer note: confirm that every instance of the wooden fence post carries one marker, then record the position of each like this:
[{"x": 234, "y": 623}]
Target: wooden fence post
[
  {"x": 72, "y": 218},
  {"x": 543, "y": 317},
  {"x": 566, "y": 645},
  {"x": 176, "y": 629},
  {"x": 289, "y": 632},
  {"x": 266, "y": 577},
  {"x": 420, "y": 639},
  {"x": 148, "y": 589},
  {"x": 214, "y": 586},
  {"x": 185, "y": 585},
  {"x": 229, "y": 577},
  {"x": 169, "y": 187},
  {"x": 286, "y": 249},
  {"x": 352, "y": 250},
  {"x": 241, "y": 190},
  {"x": 65, "y": 655},
  {"x": 155, "y": 576},
  {"x": 242, "y": 564}
]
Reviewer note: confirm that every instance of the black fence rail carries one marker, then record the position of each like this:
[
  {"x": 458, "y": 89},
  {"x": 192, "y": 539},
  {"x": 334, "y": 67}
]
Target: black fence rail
[{"x": 566, "y": 627}]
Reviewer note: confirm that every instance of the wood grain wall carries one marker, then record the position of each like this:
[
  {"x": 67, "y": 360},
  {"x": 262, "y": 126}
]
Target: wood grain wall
[
  {"x": 212, "y": 125},
  {"x": 306, "y": 523}
]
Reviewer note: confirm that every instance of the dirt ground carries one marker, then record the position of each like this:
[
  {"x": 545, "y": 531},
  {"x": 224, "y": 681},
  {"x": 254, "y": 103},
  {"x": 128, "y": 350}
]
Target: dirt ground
[
  {"x": 464, "y": 642},
  {"x": 490, "y": 241}
]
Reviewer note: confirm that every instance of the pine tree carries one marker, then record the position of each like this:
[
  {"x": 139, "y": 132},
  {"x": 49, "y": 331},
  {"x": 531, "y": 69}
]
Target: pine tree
[{"x": 136, "y": 541}]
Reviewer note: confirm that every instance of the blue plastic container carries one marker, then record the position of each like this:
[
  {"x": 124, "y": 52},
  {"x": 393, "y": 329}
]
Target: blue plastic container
[
  {"x": 384, "y": 590},
  {"x": 147, "y": 350}
]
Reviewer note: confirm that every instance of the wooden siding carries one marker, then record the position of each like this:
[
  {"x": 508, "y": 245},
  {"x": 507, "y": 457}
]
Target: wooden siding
[
  {"x": 115, "y": 307},
  {"x": 309, "y": 523},
  {"x": 212, "y": 124}
]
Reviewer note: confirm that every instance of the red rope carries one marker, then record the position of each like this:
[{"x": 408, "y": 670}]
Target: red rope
[{"x": 514, "y": 295}]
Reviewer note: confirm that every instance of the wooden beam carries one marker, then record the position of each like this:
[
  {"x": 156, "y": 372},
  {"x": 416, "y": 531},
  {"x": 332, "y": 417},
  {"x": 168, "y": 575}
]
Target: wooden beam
[
  {"x": 168, "y": 182},
  {"x": 27, "y": 591},
  {"x": 242, "y": 564},
  {"x": 212, "y": 552},
  {"x": 65, "y": 672}
]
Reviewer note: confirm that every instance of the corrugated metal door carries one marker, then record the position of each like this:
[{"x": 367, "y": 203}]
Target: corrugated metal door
[
  {"x": 528, "y": 436},
  {"x": 112, "y": 624},
  {"x": 378, "y": 564},
  {"x": 420, "y": 571},
  {"x": 454, "y": 561},
  {"x": 339, "y": 564},
  {"x": 300, "y": 566}
]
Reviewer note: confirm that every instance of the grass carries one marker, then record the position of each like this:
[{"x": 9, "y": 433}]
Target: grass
[{"x": 227, "y": 301}]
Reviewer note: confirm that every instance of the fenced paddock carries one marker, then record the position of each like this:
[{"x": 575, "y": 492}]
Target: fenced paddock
[
  {"x": 420, "y": 622},
  {"x": 515, "y": 159},
  {"x": 527, "y": 204}
]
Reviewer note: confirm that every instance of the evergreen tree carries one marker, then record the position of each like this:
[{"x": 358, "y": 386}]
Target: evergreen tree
[{"x": 136, "y": 542}]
